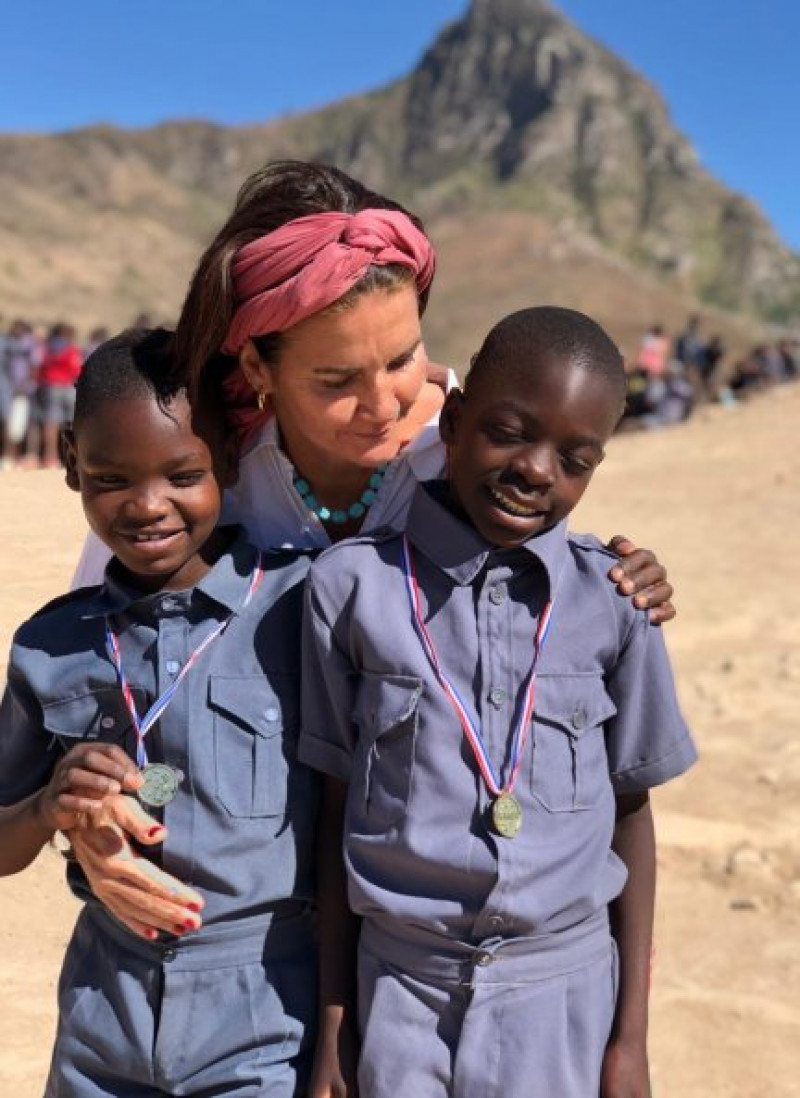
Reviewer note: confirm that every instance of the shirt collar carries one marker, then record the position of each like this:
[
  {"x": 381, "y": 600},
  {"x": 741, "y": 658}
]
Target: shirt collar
[
  {"x": 265, "y": 436},
  {"x": 226, "y": 583},
  {"x": 428, "y": 443},
  {"x": 460, "y": 551}
]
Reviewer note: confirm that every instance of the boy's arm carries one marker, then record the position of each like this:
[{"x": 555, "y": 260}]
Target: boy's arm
[
  {"x": 625, "y": 1069},
  {"x": 334, "y": 1074}
]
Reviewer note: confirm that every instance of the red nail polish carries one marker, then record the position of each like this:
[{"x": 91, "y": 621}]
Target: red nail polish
[
  {"x": 189, "y": 925},
  {"x": 154, "y": 831},
  {"x": 151, "y": 934},
  {"x": 194, "y": 907},
  {"x": 178, "y": 928}
]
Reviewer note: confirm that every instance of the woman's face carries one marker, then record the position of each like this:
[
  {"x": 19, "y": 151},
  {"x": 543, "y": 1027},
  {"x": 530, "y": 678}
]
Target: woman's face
[{"x": 345, "y": 381}]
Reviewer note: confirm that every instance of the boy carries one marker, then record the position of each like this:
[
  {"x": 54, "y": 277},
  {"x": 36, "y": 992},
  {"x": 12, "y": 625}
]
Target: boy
[
  {"x": 186, "y": 660},
  {"x": 489, "y": 722}
]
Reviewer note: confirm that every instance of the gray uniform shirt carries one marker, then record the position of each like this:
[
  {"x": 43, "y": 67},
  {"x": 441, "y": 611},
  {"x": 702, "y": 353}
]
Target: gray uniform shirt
[
  {"x": 241, "y": 826},
  {"x": 419, "y": 844}
]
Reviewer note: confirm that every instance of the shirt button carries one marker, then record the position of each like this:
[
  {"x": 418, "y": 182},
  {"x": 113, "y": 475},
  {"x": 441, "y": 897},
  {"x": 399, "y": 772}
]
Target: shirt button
[
  {"x": 497, "y": 697},
  {"x": 579, "y": 718},
  {"x": 168, "y": 604},
  {"x": 173, "y": 667},
  {"x": 107, "y": 722},
  {"x": 483, "y": 959},
  {"x": 169, "y": 955},
  {"x": 497, "y": 595},
  {"x": 496, "y": 922},
  {"x": 272, "y": 713}
]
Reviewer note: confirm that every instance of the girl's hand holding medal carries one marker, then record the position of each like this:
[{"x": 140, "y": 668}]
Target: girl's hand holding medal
[{"x": 81, "y": 781}]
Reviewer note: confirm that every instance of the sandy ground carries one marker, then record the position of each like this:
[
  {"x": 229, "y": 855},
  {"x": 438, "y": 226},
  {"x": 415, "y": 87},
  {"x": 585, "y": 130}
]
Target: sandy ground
[{"x": 719, "y": 499}]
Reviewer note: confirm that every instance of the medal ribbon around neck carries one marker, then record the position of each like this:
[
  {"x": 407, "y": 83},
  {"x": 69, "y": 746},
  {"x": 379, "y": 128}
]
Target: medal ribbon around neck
[
  {"x": 469, "y": 726},
  {"x": 145, "y": 723}
]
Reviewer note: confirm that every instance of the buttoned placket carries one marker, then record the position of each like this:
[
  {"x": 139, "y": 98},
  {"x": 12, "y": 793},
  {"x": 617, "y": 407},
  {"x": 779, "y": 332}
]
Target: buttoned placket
[
  {"x": 175, "y": 642},
  {"x": 504, "y": 665}
]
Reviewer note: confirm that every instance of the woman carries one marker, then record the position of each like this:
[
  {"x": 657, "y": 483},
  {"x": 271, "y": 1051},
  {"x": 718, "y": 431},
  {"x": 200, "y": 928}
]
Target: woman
[{"x": 309, "y": 300}]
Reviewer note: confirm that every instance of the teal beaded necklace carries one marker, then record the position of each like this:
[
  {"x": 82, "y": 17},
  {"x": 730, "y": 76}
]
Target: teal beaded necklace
[{"x": 339, "y": 517}]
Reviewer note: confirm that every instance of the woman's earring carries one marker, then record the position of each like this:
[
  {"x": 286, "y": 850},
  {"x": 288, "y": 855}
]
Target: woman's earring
[{"x": 261, "y": 400}]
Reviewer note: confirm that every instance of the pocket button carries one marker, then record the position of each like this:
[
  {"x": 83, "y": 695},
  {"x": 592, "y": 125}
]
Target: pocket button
[
  {"x": 579, "y": 719},
  {"x": 272, "y": 714},
  {"x": 497, "y": 595}
]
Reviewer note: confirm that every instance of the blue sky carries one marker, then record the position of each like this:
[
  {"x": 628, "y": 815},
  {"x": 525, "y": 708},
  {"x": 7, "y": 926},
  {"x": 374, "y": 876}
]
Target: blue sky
[{"x": 729, "y": 69}]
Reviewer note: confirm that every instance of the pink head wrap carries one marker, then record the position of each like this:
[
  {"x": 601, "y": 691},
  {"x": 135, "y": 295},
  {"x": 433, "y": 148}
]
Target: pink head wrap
[{"x": 303, "y": 267}]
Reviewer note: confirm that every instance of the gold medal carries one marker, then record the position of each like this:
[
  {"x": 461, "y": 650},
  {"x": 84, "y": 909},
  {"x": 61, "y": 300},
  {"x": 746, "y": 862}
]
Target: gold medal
[
  {"x": 160, "y": 784},
  {"x": 506, "y": 815}
]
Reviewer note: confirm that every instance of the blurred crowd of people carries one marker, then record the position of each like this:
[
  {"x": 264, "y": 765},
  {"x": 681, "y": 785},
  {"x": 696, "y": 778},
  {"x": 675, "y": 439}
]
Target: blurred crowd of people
[
  {"x": 671, "y": 376},
  {"x": 38, "y": 370},
  {"x": 668, "y": 378}
]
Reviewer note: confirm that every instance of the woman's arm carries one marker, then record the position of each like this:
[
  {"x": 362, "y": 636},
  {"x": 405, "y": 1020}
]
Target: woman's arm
[
  {"x": 142, "y": 896},
  {"x": 336, "y": 1060},
  {"x": 625, "y": 1068},
  {"x": 640, "y": 575}
]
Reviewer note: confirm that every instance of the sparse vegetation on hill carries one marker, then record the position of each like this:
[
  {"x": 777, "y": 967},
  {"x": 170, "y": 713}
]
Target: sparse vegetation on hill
[{"x": 546, "y": 168}]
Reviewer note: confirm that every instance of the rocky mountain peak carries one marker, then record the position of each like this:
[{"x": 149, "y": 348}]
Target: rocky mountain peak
[
  {"x": 518, "y": 86},
  {"x": 516, "y": 97},
  {"x": 482, "y": 12}
]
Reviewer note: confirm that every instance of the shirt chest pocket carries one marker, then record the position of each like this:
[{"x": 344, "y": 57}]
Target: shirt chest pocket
[
  {"x": 255, "y": 725},
  {"x": 98, "y": 715},
  {"x": 569, "y": 761},
  {"x": 386, "y": 713}
]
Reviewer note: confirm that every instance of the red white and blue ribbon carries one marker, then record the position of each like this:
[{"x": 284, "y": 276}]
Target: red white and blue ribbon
[
  {"x": 470, "y": 726},
  {"x": 145, "y": 723}
]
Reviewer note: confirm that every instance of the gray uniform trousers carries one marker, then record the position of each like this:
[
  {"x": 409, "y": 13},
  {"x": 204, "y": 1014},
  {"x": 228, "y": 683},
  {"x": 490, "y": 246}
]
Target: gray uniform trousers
[
  {"x": 229, "y": 1011},
  {"x": 512, "y": 1018}
]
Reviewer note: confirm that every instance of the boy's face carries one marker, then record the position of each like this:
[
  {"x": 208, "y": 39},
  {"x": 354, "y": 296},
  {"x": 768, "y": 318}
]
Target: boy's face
[
  {"x": 151, "y": 482},
  {"x": 523, "y": 445}
]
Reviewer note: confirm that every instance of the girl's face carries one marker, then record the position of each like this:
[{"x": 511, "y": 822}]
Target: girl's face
[
  {"x": 151, "y": 480},
  {"x": 346, "y": 381}
]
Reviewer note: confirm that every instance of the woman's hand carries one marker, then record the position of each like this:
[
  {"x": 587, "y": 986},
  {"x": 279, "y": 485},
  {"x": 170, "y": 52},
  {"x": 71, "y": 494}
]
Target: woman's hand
[
  {"x": 334, "y": 1073},
  {"x": 640, "y": 574},
  {"x": 81, "y": 781},
  {"x": 139, "y": 894}
]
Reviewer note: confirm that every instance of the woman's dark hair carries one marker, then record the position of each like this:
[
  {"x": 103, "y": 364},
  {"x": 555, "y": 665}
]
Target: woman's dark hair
[{"x": 276, "y": 194}]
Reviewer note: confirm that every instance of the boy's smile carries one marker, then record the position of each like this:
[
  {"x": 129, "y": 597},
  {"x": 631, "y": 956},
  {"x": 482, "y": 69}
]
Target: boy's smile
[
  {"x": 151, "y": 482},
  {"x": 523, "y": 444}
]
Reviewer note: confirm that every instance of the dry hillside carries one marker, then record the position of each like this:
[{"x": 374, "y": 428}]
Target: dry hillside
[{"x": 543, "y": 164}]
